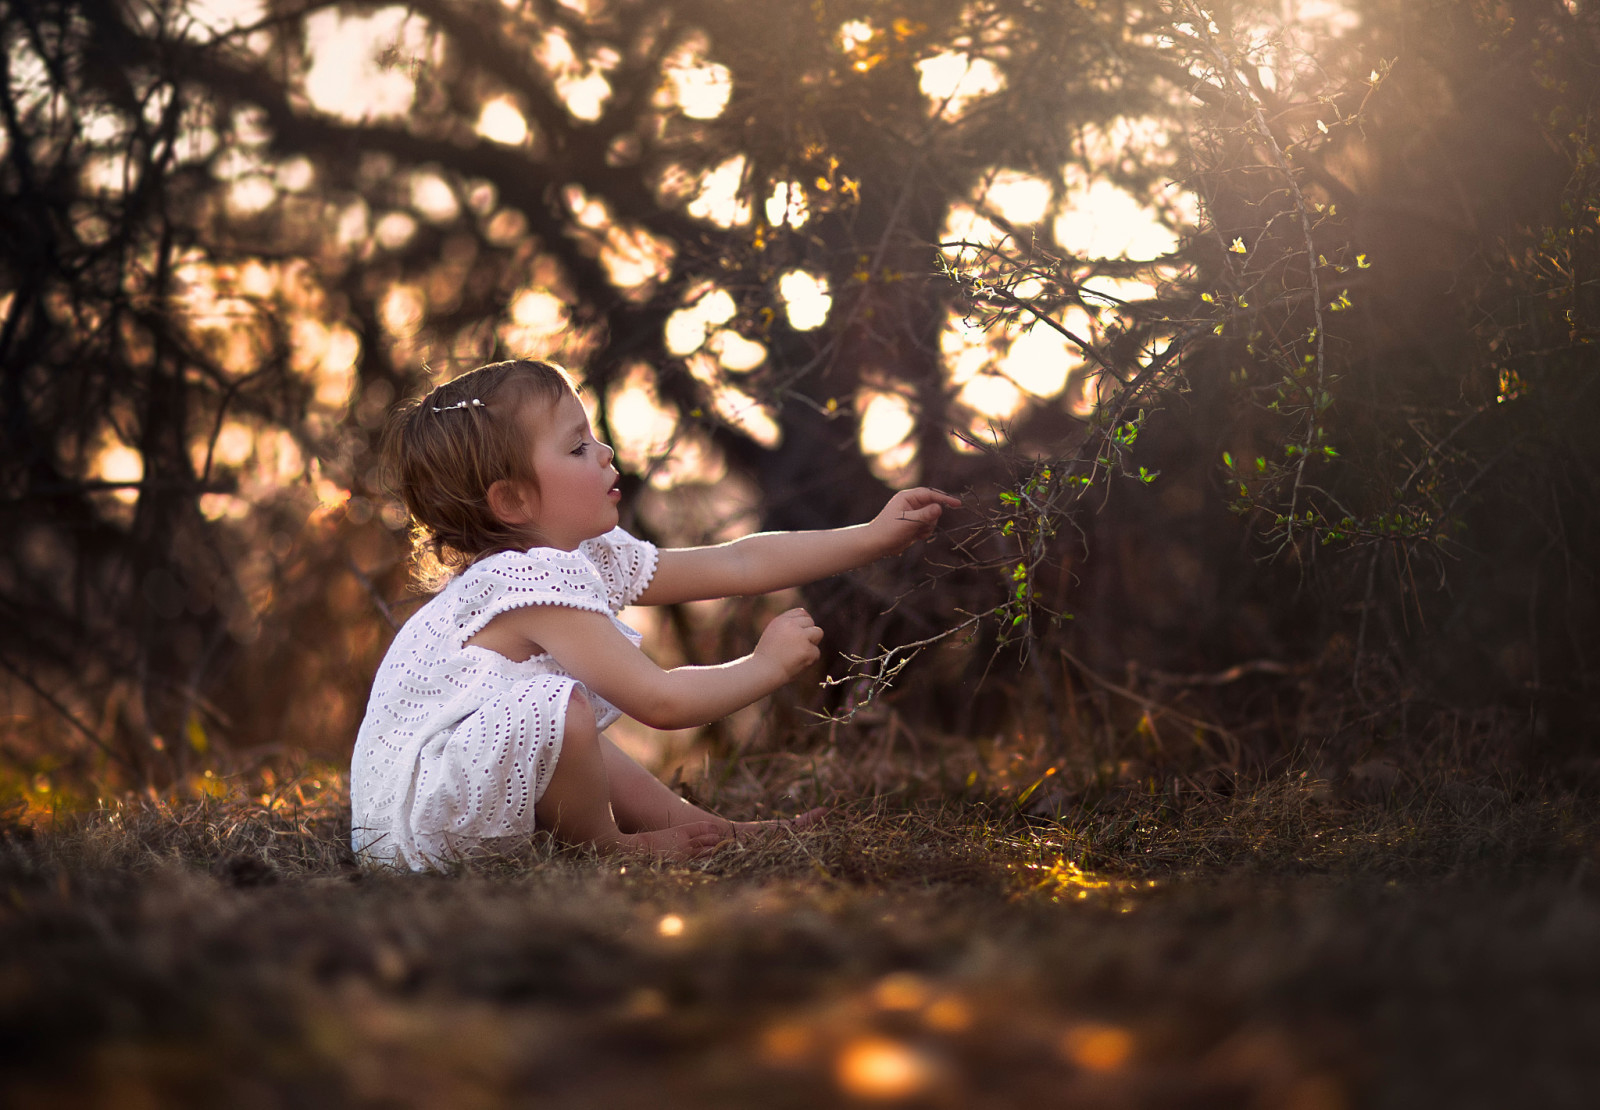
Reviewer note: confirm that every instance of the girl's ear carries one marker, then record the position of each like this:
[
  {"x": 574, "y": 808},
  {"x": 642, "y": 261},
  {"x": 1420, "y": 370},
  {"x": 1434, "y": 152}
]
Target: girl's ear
[{"x": 513, "y": 503}]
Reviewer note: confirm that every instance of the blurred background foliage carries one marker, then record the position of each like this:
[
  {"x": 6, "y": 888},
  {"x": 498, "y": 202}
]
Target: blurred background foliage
[{"x": 1109, "y": 270}]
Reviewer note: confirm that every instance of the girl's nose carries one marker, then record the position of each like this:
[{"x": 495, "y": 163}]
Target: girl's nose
[{"x": 610, "y": 452}]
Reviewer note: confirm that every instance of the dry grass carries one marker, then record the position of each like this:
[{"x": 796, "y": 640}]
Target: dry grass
[{"x": 1278, "y": 943}]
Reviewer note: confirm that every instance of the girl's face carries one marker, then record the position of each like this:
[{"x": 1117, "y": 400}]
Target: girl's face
[{"x": 577, "y": 496}]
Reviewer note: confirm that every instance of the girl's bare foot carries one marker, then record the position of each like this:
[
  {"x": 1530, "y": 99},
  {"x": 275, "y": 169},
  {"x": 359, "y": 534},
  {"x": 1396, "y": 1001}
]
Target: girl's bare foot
[
  {"x": 680, "y": 842},
  {"x": 747, "y": 831}
]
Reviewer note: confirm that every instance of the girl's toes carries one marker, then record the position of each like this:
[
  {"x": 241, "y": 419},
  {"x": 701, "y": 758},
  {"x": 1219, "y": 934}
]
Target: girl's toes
[{"x": 808, "y": 818}]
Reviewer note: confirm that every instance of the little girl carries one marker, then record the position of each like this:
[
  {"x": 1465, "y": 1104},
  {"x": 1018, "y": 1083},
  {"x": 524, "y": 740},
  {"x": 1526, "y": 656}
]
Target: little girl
[{"x": 486, "y": 716}]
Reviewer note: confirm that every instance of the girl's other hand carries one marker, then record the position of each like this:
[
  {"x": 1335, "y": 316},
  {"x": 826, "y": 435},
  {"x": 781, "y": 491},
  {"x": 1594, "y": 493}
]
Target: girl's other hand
[
  {"x": 790, "y": 641},
  {"x": 910, "y": 515}
]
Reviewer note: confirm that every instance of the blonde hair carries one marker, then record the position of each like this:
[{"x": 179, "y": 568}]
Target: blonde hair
[{"x": 446, "y": 449}]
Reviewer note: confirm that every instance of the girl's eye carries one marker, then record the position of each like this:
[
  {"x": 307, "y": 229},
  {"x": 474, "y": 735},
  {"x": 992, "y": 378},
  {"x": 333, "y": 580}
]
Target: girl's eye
[{"x": 580, "y": 449}]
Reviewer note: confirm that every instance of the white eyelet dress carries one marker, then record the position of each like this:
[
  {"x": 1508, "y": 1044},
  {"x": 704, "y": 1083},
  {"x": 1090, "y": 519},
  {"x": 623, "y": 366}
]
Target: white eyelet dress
[{"x": 459, "y": 742}]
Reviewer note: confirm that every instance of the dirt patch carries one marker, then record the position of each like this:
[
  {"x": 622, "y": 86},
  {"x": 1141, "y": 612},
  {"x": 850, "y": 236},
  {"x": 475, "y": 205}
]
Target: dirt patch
[{"x": 1352, "y": 957}]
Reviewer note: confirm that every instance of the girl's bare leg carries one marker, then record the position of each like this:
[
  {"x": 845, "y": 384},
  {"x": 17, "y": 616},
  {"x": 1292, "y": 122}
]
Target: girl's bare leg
[
  {"x": 641, "y": 802},
  {"x": 577, "y": 805}
]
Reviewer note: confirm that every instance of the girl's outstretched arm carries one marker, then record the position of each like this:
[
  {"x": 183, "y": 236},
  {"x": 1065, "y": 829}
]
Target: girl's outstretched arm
[
  {"x": 770, "y": 561},
  {"x": 593, "y": 651}
]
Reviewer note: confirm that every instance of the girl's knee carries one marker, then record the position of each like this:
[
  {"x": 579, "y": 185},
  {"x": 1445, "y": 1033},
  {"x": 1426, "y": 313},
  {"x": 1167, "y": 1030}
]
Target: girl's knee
[{"x": 579, "y": 724}]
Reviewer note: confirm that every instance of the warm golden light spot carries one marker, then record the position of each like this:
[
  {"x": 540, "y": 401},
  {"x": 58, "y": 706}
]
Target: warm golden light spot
[
  {"x": 235, "y": 443},
  {"x": 700, "y": 89},
  {"x": 1096, "y": 1047},
  {"x": 353, "y": 224},
  {"x": 947, "y": 1015},
  {"x": 117, "y": 462},
  {"x": 431, "y": 196},
  {"x": 251, "y": 194},
  {"x": 1020, "y": 198},
  {"x": 1041, "y": 359},
  {"x": 991, "y": 396},
  {"x": 806, "y": 299},
  {"x": 903, "y": 990},
  {"x": 737, "y": 353},
  {"x": 964, "y": 224},
  {"x": 580, "y": 83},
  {"x": 539, "y": 310},
  {"x": 881, "y": 1069},
  {"x": 643, "y": 426},
  {"x": 500, "y": 121},
  {"x": 854, "y": 34},
  {"x": 717, "y": 198},
  {"x": 687, "y": 328},
  {"x": 886, "y": 421},
  {"x": 394, "y": 230},
  {"x": 952, "y": 80},
  {"x": 213, "y": 16},
  {"x": 670, "y": 925},
  {"x": 787, "y": 1044},
  {"x": 346, "y": 78},
  {"x": 402, "y": 311},
  {"x": 646, "y": 1002},
  {"x": 634, "y": 258},
  {"x": 787, "y": 205},
  {"x": 1101, "y": 220},
  {"x": 734, "y": 405},
  {"x": 296, "y": 174}
]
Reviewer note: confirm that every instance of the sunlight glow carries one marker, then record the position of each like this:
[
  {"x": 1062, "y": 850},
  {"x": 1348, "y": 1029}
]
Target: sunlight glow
[
  {"x": 886, "y": 421},
  {"x": 581, "y": 84},
  {"x": 806, "y": 299},
  {"x": 402, "y": 311},
  {"x": 747, "y": 414},
  {"x": 432, "y": 197},
  {"x": 347, "y": 79},
  {"x": 787, "y": 205},
  {"x": 717, "y": 199},
  {"x": 856, "y": 33},
  {"x": 786, "y": 1044},
  {"x": 235, "y": 443},
  {"x": 670, "y": 925},
  {"x": 1041, "y": 359},
  {"x": 538, "y": 322},
  {"x": 952, "y": 80},
  {"x": 701, "y": 90},
  {"x": 394, "y": 230},
  {"x": 501, "y": 121},
  {"x": 1021, "y": 198},
  {"x": 970, "y": 358},
  {"x": 1096, "y": 1047},
  {"x": 117, "y": 462},
  {"x": 327, "y": 357},
  {"x": 634, "y": 258},
  {"x": 992, "y": 396},
  {"x": 252, "y": 194},
  {"x": 213, "y": 16},
  {"x": 882, "y": 1069},
  {"x": 901, "y": 991},
  {"x": 1103, "y": 221},
  {"x": 737, "y": 353},
  {"x": 643, "y": 426},
  {"x": 964, "y": 224},
  {"x": 732, "y": 404},
  {"x": 688, "y": 327}
]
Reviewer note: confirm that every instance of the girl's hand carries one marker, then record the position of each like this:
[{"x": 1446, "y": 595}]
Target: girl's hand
[
  {"x": 790, "y": 641},
  {"x": 910, "y": 515}
]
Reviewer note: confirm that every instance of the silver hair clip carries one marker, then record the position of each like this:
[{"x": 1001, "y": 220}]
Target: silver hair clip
[{"x": 474, "y": 403}]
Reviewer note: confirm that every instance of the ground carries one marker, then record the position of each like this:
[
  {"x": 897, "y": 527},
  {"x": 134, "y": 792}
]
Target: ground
[{"x": 1269, "y": 948}]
